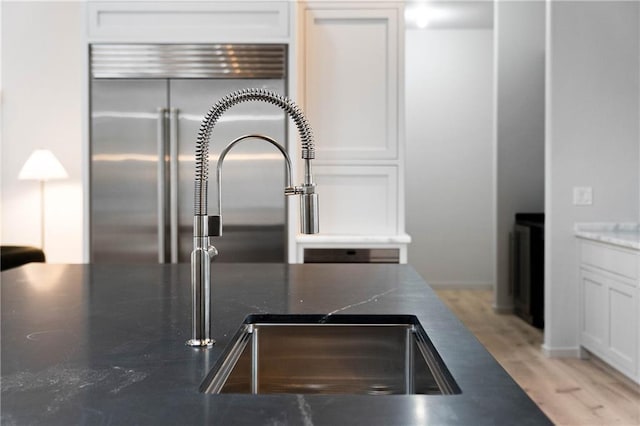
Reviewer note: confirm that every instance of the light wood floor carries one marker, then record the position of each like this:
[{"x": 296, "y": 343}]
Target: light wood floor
[{"x": 570, "y": 391}]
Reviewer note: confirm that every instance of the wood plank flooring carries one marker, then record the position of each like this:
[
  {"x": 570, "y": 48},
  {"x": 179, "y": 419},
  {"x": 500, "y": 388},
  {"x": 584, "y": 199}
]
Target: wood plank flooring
[{"x": 570, "y": 391}]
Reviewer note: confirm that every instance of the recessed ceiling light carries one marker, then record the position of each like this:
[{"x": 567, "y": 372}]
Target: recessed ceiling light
[{"x": 418, "y": 15}]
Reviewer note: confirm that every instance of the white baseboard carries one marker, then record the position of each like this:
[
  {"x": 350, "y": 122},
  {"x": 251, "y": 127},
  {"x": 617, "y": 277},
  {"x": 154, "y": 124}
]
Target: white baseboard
[
  {"x": 566, "y": 352},
  {"x": 455, "y": 285}
]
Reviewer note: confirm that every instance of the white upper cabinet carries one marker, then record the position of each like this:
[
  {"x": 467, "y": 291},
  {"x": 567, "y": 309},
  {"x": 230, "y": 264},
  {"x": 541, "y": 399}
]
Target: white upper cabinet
[
  {"x": 188, "y": 21},
  {"x": 351, "y": 82}
]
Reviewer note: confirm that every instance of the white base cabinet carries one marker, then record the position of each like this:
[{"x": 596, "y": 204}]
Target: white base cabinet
[{"x": 610, "y": 314}]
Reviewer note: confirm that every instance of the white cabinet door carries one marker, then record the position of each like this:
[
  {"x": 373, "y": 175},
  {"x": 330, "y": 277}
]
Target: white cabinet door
[
  {"x": 188, "y": 21},
  {"x": 623, "y": 325},
  {"x": 358, "y": 200},
  {"x": 594, "y": 317},
  {"x": 351, "y": 82}
]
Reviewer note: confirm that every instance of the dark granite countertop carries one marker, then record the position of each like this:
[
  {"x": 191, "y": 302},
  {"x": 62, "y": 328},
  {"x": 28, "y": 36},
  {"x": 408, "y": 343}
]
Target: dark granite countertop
[{"x": 104, "y": 345}]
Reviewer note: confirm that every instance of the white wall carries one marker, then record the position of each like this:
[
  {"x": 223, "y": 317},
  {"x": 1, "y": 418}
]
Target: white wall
[
  {"x": 449, "y": 164},
  {"x": 520, "y": 44},
  {"x": 42, "y": 108},
  {"x": 592, "y": 140}
]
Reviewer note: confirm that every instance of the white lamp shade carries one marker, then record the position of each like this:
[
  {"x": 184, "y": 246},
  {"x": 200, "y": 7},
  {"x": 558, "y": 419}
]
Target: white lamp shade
[{"x": 42, "y": 165}]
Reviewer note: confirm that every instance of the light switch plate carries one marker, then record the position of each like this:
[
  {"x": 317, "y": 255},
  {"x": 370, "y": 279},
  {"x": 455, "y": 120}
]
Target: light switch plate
[{"x": 582, "y": 195}]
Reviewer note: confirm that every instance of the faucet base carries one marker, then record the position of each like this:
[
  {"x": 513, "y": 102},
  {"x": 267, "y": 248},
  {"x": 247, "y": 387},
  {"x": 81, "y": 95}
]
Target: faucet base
[{"x": 200, "y": 343}]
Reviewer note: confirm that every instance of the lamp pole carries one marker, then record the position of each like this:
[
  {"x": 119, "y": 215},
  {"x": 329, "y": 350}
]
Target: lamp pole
[
  {"x": 42, "y": 165},
  {"x": 42, "y": 214}
]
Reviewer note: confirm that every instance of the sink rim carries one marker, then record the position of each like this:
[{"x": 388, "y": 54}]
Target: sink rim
[{"x": 228, "y": 359}]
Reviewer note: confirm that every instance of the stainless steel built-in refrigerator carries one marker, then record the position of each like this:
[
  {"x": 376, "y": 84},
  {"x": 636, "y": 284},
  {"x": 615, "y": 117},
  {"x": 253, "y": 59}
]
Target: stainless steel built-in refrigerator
[{"x": 147, "y": 103}]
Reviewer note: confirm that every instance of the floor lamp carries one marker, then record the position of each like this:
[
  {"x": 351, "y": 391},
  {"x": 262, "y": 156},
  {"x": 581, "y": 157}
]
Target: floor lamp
[{"x": 42, "y": 166}]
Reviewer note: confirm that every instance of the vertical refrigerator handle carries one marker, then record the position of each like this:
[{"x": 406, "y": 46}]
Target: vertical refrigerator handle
[
  {"x": 161, "y": 138},
  {"x": 173, "y": 182}
]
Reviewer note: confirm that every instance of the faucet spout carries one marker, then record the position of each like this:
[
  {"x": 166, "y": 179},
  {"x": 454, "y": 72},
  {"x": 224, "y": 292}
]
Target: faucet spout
[
  {"x": 308, "y": 197},
  {"x": 205, "y": 226},
  {"x": 223, "y": 155},
  {"x": 309, "y": 213}
]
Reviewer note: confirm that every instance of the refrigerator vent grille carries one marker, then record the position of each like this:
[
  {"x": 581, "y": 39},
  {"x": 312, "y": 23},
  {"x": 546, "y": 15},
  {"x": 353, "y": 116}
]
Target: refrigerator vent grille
[{"x": 188, "y": 61}]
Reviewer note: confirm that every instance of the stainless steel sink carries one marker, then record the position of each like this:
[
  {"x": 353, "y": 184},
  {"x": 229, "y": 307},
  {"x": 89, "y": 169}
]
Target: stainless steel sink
[{"x": 339, "y": 354}]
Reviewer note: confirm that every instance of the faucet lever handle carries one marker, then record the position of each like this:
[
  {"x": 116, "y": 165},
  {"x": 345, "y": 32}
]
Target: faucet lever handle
[
  {"x": 213, "y": 252},
  {"x": 292, "y": 190},
  {"x": 300, "y": 190}
]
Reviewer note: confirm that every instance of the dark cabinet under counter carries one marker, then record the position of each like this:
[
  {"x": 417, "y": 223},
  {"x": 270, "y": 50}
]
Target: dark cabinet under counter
[{"x": 527, "y": 267}]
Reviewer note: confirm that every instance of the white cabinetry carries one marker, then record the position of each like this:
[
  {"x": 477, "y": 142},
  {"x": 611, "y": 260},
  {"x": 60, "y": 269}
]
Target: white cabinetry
[
  {"x": 351, "y": 82},
  {"x": 351, "y": 85},
  {"x": 345, "y": 70},
  {"x": 610, "y": 318},
  {"x": 188, "y": 21}
]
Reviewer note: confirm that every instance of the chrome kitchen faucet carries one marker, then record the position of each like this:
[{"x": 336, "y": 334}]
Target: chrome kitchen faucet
[{"x": 206, "y": 226}]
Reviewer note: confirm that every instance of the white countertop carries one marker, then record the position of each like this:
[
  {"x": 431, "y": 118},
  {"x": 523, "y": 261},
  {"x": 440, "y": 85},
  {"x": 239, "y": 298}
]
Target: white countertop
[
  {"x": 625, "y": 234},
  {"x": 354, "y": 239}
]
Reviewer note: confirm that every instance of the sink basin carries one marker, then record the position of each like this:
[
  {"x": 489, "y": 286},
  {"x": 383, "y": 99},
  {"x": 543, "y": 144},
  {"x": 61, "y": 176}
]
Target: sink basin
[{"x": 338, "y": 354}]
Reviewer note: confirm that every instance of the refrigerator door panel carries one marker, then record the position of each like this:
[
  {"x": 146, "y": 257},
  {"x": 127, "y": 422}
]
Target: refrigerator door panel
[
  {"x": 127, "y": 178},
  {"x": 253, "y": 175}
]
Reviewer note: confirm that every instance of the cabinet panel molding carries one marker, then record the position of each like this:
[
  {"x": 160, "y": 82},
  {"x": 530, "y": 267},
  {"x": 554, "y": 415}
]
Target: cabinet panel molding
[
  {"x": 351, "y": 82},
  {"x": 594, "y": 321},
  {"x": 622, "y": 317},
  {"x": 188, "y": 21},
  {"x": 357, "y": 200}
]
